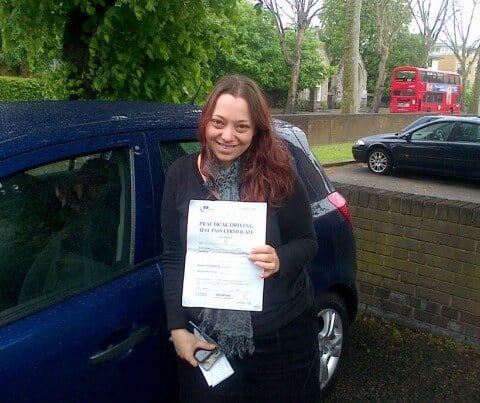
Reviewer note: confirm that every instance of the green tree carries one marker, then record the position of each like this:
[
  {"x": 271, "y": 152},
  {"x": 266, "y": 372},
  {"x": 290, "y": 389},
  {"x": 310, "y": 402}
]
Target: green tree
[
  {"x": 313, "y": 70},
  {"x": 257, "y": 53},
  {"x": 404, "y": 50},
  {"x": 332, "y": 28},
  {"x": 130, "y": 49},
  {"x": 391, "y": 16},
  {"x": 301, "y": 13},
  {"x": 474, "y": 106}
]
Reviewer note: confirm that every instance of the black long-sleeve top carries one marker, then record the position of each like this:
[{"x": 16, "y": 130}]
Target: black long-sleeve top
[{"x": 289, "y": 230}]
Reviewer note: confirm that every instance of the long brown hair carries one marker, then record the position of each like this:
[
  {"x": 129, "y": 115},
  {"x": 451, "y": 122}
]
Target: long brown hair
[{"x": 267, "y": 165}]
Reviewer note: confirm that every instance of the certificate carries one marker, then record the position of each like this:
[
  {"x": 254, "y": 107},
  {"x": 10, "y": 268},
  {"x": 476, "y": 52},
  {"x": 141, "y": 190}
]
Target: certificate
[{"x": 218, "y": 273}]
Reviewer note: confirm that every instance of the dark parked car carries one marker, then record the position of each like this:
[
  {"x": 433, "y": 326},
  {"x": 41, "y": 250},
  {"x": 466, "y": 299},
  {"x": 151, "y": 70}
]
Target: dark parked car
[
  {"x": 445, "y": 145},
  {"x": 81, "y": 306}
]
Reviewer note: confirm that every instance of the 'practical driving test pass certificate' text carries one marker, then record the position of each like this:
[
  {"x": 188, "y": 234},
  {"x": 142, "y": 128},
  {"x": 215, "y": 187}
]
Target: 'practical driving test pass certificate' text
[{"x": 218, "y": 274}]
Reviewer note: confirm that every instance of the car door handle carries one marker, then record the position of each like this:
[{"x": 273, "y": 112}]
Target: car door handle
[{"x": 117, "y": 350}]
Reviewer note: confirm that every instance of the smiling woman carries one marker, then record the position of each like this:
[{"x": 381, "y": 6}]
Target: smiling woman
[
  {"x": 243, "y": 159},
  {"x": 230, "y": 131}
]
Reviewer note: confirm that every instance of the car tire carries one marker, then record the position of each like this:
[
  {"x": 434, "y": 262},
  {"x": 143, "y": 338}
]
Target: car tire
[
  {"x": 333, "y": 336},
  {"x": 380, "y": 161}
]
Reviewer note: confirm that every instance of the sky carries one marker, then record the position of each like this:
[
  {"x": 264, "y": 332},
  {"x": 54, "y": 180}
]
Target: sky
[{"x": 466, "y": 8}]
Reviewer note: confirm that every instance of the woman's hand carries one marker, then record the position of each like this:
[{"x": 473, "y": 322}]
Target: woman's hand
[
  {"x": 266, "y": 258},
  {"x": 186, "y": 344}
]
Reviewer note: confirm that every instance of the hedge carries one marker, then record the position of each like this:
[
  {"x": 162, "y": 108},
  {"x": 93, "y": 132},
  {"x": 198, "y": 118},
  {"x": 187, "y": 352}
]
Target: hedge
[{"x": 20, "y": 89}]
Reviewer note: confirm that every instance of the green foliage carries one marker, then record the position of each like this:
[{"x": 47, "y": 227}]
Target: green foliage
[
  {"x": 332, "y": 33},
  {"x": 405, "y": 50},
  {"x": 256, "y": 52},
  {"x": 20, "y": 89},
  {"x": 312, "y": 69},
  {"x": 128, "y": 49},
  {"x": 62, "y": 82},
  {"x": 468, "y": 97}
]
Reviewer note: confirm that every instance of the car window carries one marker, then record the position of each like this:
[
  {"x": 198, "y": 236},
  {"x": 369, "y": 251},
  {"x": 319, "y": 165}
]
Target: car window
[
  {"x": 437, "y": 131},
  {"x": 64, "y": 227},
  {"x": 465, "y": 132},
  {"x": 170, "y": 151}
]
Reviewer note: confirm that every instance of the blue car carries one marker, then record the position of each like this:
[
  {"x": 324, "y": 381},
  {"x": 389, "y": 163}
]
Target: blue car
[{"x": 81, "y": 306}]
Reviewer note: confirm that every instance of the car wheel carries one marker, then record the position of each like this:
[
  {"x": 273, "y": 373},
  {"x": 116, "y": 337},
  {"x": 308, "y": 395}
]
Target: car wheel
[
  {"x": 333, "y": 337},
  {"x": 379, "y": 161}
]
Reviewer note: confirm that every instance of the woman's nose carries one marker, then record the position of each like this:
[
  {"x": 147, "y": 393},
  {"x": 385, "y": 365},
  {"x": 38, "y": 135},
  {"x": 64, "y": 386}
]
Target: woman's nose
[{"x": 228, "y": 133}]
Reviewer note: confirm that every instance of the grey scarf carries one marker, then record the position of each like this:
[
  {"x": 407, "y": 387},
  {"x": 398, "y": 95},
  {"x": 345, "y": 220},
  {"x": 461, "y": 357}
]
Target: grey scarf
[{"x": 231, "y": 329}]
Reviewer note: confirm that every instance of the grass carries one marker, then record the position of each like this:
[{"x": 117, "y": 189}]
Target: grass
[{"x": 329, "y": 153}]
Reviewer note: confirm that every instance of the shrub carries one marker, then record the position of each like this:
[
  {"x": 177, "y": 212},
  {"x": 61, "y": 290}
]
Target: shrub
[{"x": 20, "y": 89}]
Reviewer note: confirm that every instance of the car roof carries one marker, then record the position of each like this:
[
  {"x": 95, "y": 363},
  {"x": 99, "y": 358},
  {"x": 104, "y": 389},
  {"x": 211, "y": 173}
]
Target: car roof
[
  {"x": 421, "y": 120},
  {"x": 457, "y": 119},
  {"x": 26, "y": 125},
  {"x": 86, "y": 118},
  {"x": 439, "y": 119}
]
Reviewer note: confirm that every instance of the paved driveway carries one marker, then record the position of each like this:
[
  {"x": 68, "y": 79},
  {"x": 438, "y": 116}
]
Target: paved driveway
[{"x": 407, "y": 182}]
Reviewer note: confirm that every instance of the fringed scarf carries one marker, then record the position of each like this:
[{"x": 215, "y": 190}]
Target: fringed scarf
[{"x": 230, "y": 328}]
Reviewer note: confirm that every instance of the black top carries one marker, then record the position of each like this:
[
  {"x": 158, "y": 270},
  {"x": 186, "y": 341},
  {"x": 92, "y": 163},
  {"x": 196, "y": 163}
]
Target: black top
[{"x": 289, "y": 230}]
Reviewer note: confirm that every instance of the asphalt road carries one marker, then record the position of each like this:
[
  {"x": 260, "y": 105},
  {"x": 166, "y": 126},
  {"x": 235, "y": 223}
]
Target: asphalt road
[{"x": 407, "y": 182}]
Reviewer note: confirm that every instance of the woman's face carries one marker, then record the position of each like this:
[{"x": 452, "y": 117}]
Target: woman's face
[{"x": 230, "y": 130}]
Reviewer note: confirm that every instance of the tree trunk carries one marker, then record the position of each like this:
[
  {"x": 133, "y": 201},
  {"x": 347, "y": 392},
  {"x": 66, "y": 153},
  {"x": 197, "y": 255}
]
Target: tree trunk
[
  {"x": 291, "y": 105},
  {"x": 312, "y": 102},
  {"x": 464, "y": 76},
  {"x": 474, "y": 107},
  {"x": 382, "y": 74},
  {"x": 350, "y": 102}
]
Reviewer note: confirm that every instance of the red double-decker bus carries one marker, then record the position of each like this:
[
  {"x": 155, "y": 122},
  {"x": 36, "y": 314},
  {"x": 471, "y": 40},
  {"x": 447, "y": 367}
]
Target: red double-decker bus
[{"x": 415, "y": 89}]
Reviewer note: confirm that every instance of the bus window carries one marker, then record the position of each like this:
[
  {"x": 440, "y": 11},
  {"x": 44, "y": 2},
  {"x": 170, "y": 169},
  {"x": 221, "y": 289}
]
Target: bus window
[
  {"x": 402, "y": 75},
  {"x": 405, "y": 93},
  {"x": 432, "y": 97}
]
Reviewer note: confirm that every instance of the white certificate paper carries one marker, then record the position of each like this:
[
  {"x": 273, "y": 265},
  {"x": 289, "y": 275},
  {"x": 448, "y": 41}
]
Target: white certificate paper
[{"x": 218, "y": 274}]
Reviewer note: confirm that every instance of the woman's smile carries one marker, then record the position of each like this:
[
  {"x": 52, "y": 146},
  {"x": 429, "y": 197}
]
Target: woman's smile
[{"x": 230, "y": 130}]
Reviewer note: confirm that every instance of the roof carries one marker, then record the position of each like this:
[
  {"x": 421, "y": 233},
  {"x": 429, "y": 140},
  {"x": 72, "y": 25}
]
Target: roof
[{"x": 83, "y": 119}]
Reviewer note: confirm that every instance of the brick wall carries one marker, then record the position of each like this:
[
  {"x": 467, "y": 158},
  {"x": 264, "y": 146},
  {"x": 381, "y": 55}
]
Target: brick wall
[{"x": 418, "y": 260}]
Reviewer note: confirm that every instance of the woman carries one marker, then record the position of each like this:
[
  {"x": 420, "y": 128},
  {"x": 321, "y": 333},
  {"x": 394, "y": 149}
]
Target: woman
[{"x": 274, "y": 353}]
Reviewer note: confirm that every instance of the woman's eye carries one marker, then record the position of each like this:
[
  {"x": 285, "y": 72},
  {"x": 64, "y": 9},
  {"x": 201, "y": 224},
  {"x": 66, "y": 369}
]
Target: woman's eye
[
  {"x": 217, "y": 123},
  {"x": 242, "y": 128}
]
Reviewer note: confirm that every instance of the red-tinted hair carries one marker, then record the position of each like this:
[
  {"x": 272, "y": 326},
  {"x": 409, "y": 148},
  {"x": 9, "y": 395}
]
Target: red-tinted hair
[{"x": 267, "y": 164}]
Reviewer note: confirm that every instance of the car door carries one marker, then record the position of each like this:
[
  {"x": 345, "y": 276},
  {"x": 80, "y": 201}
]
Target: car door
[
  {"x": 425, "y": 147},
  {"x": 81, "y": 306},
  {"x": 463, "y": 156}
]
